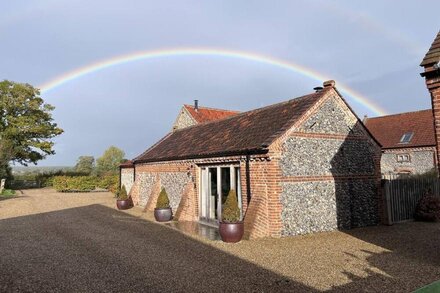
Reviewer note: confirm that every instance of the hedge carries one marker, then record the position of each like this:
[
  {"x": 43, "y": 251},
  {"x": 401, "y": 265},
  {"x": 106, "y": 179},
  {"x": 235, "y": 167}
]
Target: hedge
[
  {"x": 109, "y": 182},
  {"x": 77, "y": 183},
  {"x": 85, "y": 183}
]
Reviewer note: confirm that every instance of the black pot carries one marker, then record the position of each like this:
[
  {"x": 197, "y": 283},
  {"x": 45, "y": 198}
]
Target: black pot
[
  {"x": 163, "y": 214},
  {"x": 231, "y": 232},
  {"x": 124, "y": 204}
]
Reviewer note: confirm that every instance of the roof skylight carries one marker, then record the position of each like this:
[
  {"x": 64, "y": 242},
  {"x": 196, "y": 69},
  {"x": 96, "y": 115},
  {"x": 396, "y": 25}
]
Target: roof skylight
[{"x": 406, "y": 138}]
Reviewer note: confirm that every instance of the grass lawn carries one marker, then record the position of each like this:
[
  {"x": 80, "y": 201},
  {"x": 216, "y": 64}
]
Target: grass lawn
[
  {"x": 432, "y": 288},
  {"x": 7, "y": 193}
]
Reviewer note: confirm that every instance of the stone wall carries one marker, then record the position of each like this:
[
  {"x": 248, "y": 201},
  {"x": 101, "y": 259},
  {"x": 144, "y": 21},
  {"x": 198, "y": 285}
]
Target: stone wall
[
  {"x": 174, "y": 184},
  {"x": 146, "y": 182},
  {"x": 321, "y": 156},
  {"x": 332, "y": 118},
  {"x": 330, "y": 173},
  {"x": 328, "y": 205},
  {"x": 172, "y": 176},
  {"x": 127, "y": 178},
  {"x": 183, "y": 120},
  {"x": 421, "y": 161}
]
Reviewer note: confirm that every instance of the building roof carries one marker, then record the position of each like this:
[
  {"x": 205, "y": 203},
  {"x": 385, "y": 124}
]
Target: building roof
[
  {"x": 433, "y": 55},
  {"x": 389, "y": 130},
  {"x": 204, "y": 114},
  {"x": 245, "y": 133},
  {"x": 126, "y": 164}
]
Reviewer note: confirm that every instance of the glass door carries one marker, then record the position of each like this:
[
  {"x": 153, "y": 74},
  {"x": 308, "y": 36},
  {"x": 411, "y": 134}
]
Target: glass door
[{"x": 216, "y": 182}]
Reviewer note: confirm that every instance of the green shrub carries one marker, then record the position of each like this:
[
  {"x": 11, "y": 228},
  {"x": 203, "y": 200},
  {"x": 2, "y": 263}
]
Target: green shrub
[
  {"x": 7, "y": 192},
  {"x": 60, "y": 183},
  {"x": 163, "y": 201},
  {"x": 122, "y": 194},
  {"x": 231, "y": 211},
  {"x": 74, "y": 183},
  {"x": 109, "y": 182},
  {"x": 428, "y": 208}
]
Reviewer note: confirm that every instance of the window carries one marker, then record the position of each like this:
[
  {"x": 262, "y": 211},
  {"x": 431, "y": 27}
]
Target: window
[
  {"x": 402, "y": 158},
  {"x": 215, "y": 183},
  {"x": 406, "y": 138}
]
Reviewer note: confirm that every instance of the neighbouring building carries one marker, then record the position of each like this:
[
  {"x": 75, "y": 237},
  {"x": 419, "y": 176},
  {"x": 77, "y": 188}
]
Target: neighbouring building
[
  {"x": 431, "y": 65},
  {"x": 408, "y": 142},
  {"x": 192, "y": 115},
  {"x": 300, "y": 166}
]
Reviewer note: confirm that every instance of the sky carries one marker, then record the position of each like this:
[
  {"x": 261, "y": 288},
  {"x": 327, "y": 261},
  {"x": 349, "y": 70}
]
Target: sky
[{"x": 370, "y": 48}]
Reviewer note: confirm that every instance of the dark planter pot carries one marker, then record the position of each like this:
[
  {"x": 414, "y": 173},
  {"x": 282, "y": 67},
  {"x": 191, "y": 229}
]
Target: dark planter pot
[
  {"x": 231, "y": 232},
  {"x": 124, "y": 204},
  {"x": 163, "y": 215}
]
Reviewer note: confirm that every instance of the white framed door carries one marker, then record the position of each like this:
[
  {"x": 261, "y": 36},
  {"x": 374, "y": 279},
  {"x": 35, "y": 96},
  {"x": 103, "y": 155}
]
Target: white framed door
[{"x": 216, "y": 182}]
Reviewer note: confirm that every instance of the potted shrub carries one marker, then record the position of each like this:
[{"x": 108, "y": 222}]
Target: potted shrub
[
  {"x": 428, "y": 208},
  {"x": 123, "y": 202},
  {"x": 231, "y": 229},
  {"x": 163, "y": 212}
]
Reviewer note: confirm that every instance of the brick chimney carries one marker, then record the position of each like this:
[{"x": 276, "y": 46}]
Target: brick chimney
[
  {"x": 329, "y": 83},
  {"x": 196, "y": 105},
  {"x": 431, "y": 64}
]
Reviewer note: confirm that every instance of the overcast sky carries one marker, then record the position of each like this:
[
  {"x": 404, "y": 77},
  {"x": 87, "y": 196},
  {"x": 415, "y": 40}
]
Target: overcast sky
[{"x": 374, "y": 47}]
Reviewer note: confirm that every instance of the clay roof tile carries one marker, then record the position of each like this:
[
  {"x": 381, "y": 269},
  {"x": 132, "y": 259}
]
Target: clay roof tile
[
  {"x": 239, "y": 134},
  {"x": 389, "y": 130}
]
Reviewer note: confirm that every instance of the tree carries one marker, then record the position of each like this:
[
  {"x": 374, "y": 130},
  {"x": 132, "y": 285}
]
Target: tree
[
  {"x": 26, "y": 124},
  {"x": 110, "y": 160},
  {"x": 85, "y": 164},
  {"x": 5, "y": 157}
]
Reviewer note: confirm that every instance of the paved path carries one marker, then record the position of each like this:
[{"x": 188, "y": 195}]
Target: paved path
[{"x": 53, "y": 242}]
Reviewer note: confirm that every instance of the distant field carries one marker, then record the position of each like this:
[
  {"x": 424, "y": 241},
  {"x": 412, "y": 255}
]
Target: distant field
[{"x": 36, "y": 169}]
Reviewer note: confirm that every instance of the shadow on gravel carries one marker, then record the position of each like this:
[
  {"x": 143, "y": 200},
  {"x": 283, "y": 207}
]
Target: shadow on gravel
[
  {"x": 413, "y": 259},
  {"x": 11, "y": 197},
  {"x": 95, "y": 249}
]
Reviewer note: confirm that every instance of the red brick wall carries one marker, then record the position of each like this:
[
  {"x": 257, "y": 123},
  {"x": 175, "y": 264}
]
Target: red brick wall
[{"x": 433, "y": 85}]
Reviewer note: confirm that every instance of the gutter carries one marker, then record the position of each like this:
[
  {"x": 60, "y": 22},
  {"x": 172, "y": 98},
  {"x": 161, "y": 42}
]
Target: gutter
[
  {"x": 256, "y": 151},
  {"x": 248, "y": 181},
  {"x": 409, "y": 147}
]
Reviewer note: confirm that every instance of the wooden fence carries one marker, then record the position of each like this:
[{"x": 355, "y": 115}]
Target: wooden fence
[
  {"x": 403, "y": 194},
  {"x": 23, "y": 184}
]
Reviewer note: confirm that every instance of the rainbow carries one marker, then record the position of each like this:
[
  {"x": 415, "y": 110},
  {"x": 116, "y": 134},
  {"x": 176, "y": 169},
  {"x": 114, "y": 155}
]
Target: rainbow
[{"x": 154, "y": 54}]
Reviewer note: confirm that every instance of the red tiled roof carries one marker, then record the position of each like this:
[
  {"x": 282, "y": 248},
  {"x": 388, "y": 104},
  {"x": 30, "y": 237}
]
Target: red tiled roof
[
  {"x": 127, "y": 164},
  {"x": 388, "y": 130},
  {"x": 247, "y": 132},
  {"x": 433, "y": 55},
  {"x": 204, "y": 114}
]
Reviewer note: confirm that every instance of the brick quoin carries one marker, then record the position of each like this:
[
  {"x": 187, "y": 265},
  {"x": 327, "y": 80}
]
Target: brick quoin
[{"x": 431, "y": 65}]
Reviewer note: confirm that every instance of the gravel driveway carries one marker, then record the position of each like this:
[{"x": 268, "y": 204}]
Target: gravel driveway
[{"x": 52, "y": 242}]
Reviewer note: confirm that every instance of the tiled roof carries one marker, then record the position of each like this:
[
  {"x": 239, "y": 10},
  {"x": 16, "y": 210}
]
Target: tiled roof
[
  {"x": 388, "y": 130},
  {"x": 433, "y": 55},
  {"x": 247, "y": 132},
  {"x": 127, "y": 164},
  {"x": 203, "y": 114}
]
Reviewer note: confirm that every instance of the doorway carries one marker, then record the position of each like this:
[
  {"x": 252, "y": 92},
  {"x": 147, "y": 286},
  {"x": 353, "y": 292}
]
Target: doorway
[{"x": 216, "y": 182}]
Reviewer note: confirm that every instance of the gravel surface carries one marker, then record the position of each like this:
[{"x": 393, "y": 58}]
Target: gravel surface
[{"x": 79, "y": 242}]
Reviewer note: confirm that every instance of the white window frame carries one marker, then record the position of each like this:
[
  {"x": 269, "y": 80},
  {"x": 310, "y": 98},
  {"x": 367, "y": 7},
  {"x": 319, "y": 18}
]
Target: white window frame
[{"x": 403, "y": 158}]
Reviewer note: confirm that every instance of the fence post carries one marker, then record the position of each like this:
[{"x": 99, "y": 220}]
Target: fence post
[
  {"x": 2, "y": 185},
  {"x": 388, "y": 202}
]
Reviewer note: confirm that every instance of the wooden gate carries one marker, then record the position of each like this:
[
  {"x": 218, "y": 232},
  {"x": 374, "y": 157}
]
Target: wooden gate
[{"x": 403, "y": 194}]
